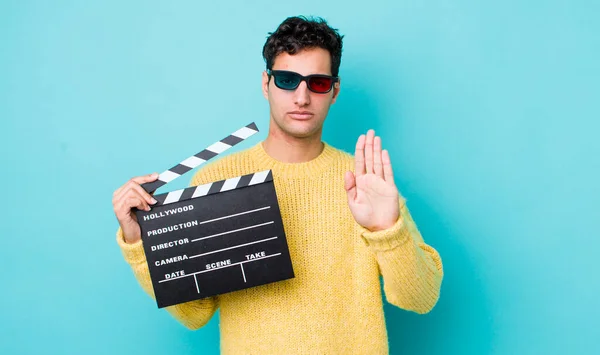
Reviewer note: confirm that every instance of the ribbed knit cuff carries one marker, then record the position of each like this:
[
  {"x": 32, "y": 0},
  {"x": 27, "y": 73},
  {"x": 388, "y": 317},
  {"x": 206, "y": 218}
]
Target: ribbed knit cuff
[
  {"x": 387, "y": 239},
  {"x": 133, "y": 253}
]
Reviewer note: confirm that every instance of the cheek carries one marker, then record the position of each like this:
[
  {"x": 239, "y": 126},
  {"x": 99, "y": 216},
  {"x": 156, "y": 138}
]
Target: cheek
[
  {"x": 278, "y": 98},
  {"x": 276, "y": 103},
  {"x": 322, "y": 101}
]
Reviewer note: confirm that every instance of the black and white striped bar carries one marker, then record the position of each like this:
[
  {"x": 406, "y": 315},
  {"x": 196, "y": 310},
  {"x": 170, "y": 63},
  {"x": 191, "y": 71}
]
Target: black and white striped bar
[
  {"x": 213, "y": 188},
  {"x": 200, "y": 158}
]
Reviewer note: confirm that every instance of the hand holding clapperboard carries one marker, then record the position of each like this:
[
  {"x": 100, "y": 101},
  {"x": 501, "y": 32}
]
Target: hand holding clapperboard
[{"x": 214, "y": 238}]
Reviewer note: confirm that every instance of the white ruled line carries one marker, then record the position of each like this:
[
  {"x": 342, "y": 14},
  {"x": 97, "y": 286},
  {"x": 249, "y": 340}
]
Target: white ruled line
[
  {"x": 234, "y": 215},
  {"x": 233, "y": 247},
  {"x": 233, "y": 231},
  {"x": 195, "y": 279},
  {"x": 243, "y": 274},
  {"x": 217, "y": 268}
]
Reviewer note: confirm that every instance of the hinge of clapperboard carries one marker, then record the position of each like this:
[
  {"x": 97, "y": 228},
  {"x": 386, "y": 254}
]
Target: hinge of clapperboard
[{"x": 199, "y": 159}]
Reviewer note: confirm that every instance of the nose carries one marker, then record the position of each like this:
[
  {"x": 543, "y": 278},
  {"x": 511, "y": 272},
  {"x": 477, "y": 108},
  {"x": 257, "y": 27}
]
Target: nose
[{"x": 302, "y": 95}]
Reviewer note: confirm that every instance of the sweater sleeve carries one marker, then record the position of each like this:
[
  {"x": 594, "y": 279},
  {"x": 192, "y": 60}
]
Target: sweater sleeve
[
  {"x": 193, "y": 314},
  {"x": 412, "y": 270}
]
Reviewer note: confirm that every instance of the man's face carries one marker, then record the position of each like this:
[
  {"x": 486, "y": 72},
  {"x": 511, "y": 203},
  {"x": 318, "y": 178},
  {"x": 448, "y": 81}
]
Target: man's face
[{"x": 299, "y": 113}]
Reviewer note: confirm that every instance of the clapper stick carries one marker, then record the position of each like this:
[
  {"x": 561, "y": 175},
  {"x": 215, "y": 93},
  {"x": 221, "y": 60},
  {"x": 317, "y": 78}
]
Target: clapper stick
[{"x": 200, "y": 158}]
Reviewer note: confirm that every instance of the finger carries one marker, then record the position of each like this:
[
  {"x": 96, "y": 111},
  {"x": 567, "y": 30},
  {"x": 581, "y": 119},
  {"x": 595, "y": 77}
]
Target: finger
[
  {"x": 377, "y": 167},
  {"x": 350, "y": 185},
  {"x": 387, "y": 167},
  {"x": 349, "y": 181},
  {"x": 139, "y": 193},
  {"x": 134, "y": 185},
  {"x": 144, "y": 194},
  {"x": 133, "y": 200},
  {"x": 124, "y": 210},
  {"x": 139, "y": 180},
  {"x": 369, "y": 152},
  {"x": 359, "y": 156},
  {"x": 145, "y": 178}
]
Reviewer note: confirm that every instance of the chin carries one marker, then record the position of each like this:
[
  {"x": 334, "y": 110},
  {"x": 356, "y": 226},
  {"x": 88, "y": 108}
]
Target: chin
[{"x": 302, "y": 130}]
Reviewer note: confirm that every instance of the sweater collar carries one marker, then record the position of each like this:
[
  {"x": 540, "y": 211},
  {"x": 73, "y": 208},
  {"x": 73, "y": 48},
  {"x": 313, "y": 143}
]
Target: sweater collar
[{"x": 310, "y": 168}]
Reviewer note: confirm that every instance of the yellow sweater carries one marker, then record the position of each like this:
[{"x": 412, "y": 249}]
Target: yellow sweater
[{"x": 334, "y": 303}]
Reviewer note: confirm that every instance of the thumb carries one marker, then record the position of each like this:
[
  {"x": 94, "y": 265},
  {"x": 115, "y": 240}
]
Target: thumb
[{"x": 350, "y": 185}]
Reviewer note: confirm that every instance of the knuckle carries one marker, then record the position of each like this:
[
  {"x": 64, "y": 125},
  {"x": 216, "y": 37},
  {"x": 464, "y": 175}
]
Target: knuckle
[
  {"x": 132, "y": 185},
  {"x": 128, "y": 195},
  {"x": 131, "y": 201}
]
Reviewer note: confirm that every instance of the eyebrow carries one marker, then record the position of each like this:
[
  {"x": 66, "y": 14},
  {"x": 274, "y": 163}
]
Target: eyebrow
[{"x": 291, "y": 71}]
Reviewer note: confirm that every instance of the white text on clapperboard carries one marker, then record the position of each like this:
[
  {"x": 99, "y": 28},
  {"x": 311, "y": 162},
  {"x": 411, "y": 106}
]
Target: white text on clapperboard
[{"x": 179, "y": 258}]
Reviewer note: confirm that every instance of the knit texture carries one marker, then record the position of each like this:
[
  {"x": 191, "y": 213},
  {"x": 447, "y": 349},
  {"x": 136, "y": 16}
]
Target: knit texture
[{"x": 334, "y": 304}]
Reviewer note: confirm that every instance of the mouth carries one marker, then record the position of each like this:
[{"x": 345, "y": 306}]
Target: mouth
[{"x": 301, "y": 115}]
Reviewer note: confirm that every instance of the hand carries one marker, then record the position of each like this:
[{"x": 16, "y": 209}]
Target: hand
[
  {"x": 128, "y": 196},
  {"x": 372, "y": 193}
]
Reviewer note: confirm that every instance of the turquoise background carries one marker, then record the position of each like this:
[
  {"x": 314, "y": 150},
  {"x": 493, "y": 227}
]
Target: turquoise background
[{"x": 489, "y": 109}]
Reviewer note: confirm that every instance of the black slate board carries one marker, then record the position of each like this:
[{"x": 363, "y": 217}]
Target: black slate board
[{"x": 215, "y": 238}]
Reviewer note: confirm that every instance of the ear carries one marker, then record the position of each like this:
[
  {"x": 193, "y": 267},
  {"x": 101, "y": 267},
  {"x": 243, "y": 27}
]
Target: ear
[
  {"x": 265, "y": 84},
  {"x": 336, "y": 90}
]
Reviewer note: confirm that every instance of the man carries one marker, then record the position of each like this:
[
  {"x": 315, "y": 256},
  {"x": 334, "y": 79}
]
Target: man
[{"x": 345, "y": 222}]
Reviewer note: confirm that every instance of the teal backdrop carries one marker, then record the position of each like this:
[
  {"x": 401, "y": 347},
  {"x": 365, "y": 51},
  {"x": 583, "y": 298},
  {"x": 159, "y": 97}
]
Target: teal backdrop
[{"x": 489, "y": 110}]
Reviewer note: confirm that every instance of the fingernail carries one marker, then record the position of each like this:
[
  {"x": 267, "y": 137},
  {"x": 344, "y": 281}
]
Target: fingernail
[
  {"x": 154, "y": 174},
  {"x": 148, "y": 208},
  {"x": 153, "y": 201}
]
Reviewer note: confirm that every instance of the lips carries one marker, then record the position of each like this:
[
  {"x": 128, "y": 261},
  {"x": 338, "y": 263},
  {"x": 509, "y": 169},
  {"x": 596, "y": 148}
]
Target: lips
[{"x": 301, "y": 115}]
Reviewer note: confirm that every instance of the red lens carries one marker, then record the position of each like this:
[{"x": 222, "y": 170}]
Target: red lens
[{"x": 320, "y": 85}]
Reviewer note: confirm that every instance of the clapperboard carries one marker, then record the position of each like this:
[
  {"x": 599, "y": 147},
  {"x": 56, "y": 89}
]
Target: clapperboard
[{"x": 214, "y": 238}]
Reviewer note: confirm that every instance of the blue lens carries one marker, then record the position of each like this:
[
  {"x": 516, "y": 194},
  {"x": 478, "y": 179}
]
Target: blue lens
[{"x": 287, "y": 81}]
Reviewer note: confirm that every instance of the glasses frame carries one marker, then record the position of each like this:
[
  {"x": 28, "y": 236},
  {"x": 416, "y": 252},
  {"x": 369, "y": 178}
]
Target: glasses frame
[{"x": 274, "y": 73}]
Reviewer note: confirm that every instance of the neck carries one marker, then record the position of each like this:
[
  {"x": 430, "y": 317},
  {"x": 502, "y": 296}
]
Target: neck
[{"x": 288, "y": 149}]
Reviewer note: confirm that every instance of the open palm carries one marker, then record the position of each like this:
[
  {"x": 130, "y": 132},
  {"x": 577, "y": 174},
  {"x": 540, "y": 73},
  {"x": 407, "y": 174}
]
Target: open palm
[{"x": 372, "y": 193}]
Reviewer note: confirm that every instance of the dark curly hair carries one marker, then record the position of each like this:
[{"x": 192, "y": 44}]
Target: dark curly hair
[{"x": 297, "y": 33}]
